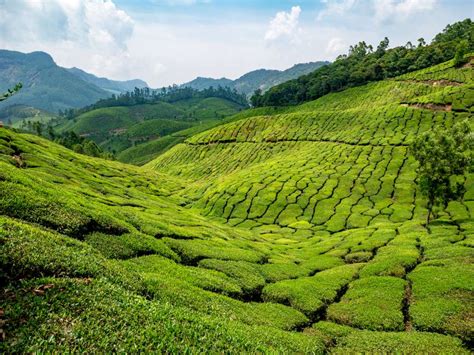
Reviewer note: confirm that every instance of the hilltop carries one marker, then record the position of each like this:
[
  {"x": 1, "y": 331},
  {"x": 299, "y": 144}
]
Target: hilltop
[{"x": 296, "y": 229}]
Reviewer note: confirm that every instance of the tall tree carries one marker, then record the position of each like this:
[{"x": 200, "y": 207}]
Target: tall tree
[{"x": 444, "y": 157}]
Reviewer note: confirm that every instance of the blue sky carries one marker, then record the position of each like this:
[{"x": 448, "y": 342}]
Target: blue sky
[{"x": 173, "y": 41}]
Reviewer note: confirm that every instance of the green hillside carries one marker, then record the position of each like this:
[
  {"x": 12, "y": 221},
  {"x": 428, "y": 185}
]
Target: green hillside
[
  {"x": 364, "y": 64},
  {"x": 46, "y": 86},
  {"x": 291, "y": 230},
  {"x": 117, "y": 128},
  {"x": 15, "y": 115}
]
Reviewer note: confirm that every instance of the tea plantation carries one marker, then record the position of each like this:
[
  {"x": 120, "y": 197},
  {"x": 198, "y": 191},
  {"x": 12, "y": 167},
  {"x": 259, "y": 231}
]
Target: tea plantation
[{"x": 297, "y": 230}]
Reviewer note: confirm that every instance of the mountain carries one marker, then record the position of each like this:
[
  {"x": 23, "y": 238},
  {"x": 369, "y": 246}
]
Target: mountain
[
  {"x": 299, "y": 230},
  {"x": 49, "y": 87},
  {"x": 258, "y": 79},
  {"x": 201, "y": 83},
  {"x": 112, "y": 86},
  {"x": 46, "y": 86}
]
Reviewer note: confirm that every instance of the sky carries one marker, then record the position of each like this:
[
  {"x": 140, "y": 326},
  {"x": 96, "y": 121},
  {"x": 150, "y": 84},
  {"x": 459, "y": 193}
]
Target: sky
[{"x": 173, "y": 41}]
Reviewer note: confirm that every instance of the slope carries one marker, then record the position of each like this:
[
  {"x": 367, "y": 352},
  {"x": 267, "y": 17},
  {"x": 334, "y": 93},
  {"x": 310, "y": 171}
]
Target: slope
[
  {"x": 112, "y": 86},
  {"x": 46, "y": 86},
  {"x": 299, "y": 231},
  {"x": 334, "y": 178},
  {"x": 118, "y": 128}
]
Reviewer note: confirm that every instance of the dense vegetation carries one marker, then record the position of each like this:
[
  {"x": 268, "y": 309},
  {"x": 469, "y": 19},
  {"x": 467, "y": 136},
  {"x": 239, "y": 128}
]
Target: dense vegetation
[
  {"x": 134, "y": 118},
  {"x": 444, "y": 157},
  {"x": 291, "y": 230},
  {"x": 11, "y": 92},
  {"x": 364, "y": 64},
  {"x": 171, "y": 94}
]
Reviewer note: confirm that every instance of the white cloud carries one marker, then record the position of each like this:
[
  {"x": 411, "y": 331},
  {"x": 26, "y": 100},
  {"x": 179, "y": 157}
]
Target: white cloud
[
  {"x": 336, "y": 45},
  {"x": 284, "y": 24},
  {"x": 182, "y": 2},
  {"x": 165, "y": 46},
  {"x": 386, "y": 10},
  {"x": 336, "y": 7},
  {"x": 69, "y": 29}
]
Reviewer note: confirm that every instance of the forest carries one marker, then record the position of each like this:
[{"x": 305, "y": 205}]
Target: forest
[{"x": 364, "y": 64}]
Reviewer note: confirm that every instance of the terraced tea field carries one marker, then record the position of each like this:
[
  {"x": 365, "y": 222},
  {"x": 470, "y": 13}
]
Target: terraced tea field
[{"x": 299, "y": 231}]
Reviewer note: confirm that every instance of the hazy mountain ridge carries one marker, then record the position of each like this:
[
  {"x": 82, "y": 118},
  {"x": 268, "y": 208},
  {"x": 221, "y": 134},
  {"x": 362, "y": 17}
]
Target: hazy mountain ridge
[
  {"x": 49, "y": 87},
  {"x": 113, "y": 86},
  {"x": 257, "y": 79}
]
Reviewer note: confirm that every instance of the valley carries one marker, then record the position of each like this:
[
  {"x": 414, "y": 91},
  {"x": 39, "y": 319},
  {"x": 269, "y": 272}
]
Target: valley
[{"x": 297, "y": 229}]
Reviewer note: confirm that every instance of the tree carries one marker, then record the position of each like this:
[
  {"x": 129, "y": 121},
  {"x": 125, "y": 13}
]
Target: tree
[
  {"x": 38, "y": 128},
  {"x": 461, "y": 51},
  {"x": 444, "y": 157},
  {"x": 11, "y": 92},
  {"x": 255, "y": 100}
]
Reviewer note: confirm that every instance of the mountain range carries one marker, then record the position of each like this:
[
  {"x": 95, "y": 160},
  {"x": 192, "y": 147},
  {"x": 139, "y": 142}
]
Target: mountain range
[
  {"x": 49, "y": 87},
  {"x": 262, "y": 79}
]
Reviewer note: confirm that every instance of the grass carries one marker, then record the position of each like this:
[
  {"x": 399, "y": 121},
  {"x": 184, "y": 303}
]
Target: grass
[{"x": 257, "y": 234}]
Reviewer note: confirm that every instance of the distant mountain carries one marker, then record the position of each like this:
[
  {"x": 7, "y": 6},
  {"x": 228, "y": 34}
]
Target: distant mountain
[
  {"x": 201, "y": 83},
  {"x": 112, "y": 86},
  {"x": 262, "y": 79},
  {"x": 49, "y": 87}
]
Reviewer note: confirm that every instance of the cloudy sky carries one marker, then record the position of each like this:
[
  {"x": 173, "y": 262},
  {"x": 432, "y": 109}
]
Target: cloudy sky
[{"x": 173, "y": 41}]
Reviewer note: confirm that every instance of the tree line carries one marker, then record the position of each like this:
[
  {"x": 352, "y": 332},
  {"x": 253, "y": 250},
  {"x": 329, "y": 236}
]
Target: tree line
[
  {"x": 68, "y": 139},
  {"x": 169, "y": 94},
  {"x": 364, "y": 64}
]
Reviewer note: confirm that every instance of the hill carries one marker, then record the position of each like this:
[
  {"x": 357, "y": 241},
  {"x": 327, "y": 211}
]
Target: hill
[
  {"x": 297, "y": 230},
  {"x": 14, "y": 115},
  {"x": 48, "y": 87},
  {"x": 201, "y": 83},
  {"x": 363, "y": 64},
  {"x": 112, "y": 86},
  {"x": 117, "y": 128},
  {"x": 258, "y": 79}
]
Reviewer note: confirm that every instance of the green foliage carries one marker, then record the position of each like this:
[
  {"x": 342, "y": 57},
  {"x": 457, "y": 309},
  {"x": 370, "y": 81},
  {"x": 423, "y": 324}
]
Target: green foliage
[
  {"x": 444, "y": 157},
  {"x": 118, "y": 128},
  {"x": 310, "y": 294},
  {"x": 129, "y": 323},
  {"x": 246, "y": 274},
  {"x": 351, "y": 340},
  {"x": 244, "y": 236},
  {"x": 372, "y": 303},
  {"x": 127, "y": 246},
  {"x": 442, "y": 293},
  {"x": 11, "y": 92},
  {"x": 461, "y": 51},
  {"x": 362, "y": 65}
]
